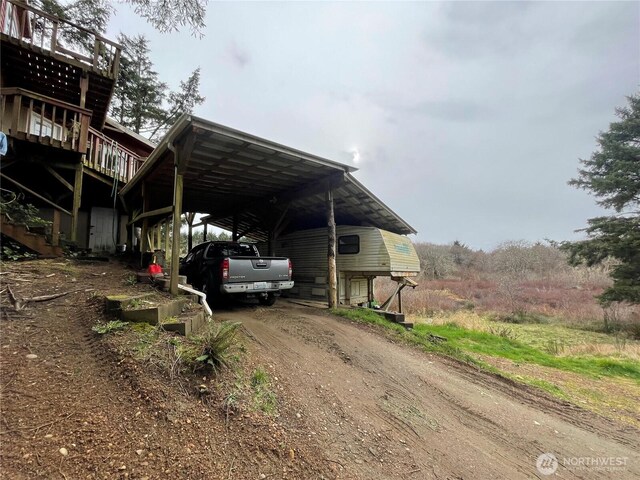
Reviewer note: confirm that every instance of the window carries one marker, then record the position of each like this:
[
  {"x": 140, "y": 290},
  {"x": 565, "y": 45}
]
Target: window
[
  {"x": 231, "y": 250},
  {"x": 49, "y": 129},
  {"x": 349, "y": 244}
]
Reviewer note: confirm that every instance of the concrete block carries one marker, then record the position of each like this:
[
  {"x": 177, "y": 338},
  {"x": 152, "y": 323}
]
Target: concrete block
[
  {"x": 394, "y": 316},
  {"x": 186, "y": 325},
  {"x": 114, "y": 304}
]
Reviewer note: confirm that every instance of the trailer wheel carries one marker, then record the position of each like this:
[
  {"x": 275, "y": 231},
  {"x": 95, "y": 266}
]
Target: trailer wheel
[{"x": 267, "y": 301}]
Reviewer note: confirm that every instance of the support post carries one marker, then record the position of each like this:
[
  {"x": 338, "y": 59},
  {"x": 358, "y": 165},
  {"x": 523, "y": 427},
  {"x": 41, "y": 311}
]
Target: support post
[
  {"x": 204, "y": 234},
  {"x": 175, "y": 248},
  {"x": 331, "y": 252},
  {"x": 144, "y": 237},
  {"x": 166, "y": 240},
  {"x": 84, "y": 86},
  {"x": 55, "y": 228},
  {"x": 400, "y": 301},
  {"x": 77, "y": 197}
]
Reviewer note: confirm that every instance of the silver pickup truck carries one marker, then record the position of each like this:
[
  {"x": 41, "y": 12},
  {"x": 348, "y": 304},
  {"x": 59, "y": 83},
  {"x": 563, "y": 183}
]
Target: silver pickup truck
[{"x": 236, "y": 268}]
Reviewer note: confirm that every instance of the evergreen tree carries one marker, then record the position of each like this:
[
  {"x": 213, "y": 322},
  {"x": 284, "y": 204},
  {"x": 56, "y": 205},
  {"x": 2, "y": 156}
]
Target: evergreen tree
[
  {"x": 170, "y": 15},
  {"x": 139, "y": 94},
  {"x": 612, "y": 174},
  {"x": 180, "y": 102}
]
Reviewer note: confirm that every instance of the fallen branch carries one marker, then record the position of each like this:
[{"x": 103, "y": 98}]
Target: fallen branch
[
  {"x": 20, "y": 303},
  {"x": 45, "y": 298}
]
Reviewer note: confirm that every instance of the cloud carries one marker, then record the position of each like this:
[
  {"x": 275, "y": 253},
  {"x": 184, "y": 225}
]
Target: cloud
[{"x": 238, "y": 56}]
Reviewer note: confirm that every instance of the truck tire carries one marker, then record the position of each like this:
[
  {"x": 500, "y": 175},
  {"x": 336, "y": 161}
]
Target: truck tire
[{"x": 267, "y": 301}]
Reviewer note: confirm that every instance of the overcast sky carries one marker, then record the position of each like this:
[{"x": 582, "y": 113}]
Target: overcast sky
[{"x": 466, "y": 118}]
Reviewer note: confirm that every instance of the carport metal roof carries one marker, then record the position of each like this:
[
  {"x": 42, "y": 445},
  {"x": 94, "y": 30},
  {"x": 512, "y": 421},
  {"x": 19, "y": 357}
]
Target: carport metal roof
[{"x": 252, "y": 184}]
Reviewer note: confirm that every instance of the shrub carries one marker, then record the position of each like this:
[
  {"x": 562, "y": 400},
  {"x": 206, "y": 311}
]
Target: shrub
[{"x": 214, "y": 348}]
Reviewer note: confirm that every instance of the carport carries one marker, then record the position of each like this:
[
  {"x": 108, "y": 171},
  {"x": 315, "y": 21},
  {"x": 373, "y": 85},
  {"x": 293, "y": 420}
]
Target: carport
[{"x": 249, "y": 186}]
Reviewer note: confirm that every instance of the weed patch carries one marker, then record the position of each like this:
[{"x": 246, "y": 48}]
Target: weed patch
[{"x": 109, "y": 327}]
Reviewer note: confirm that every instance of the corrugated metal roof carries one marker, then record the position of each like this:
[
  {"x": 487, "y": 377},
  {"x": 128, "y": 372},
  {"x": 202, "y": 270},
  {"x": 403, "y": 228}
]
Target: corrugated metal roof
[{"x": 232, "y": 174}]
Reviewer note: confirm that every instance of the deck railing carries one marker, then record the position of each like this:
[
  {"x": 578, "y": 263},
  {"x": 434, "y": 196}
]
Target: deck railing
[
  {"x": 34, "y": 28},
  {"x": 106, "y": 156},
  {"x": 37, "y": 118}
]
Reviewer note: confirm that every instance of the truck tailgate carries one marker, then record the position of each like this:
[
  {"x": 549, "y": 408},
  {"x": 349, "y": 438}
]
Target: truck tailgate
[{"x": 258, "y": 269}]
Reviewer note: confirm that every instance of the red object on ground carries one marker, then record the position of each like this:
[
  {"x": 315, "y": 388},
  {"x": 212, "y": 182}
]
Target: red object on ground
[{"x": 154, "y": 269}]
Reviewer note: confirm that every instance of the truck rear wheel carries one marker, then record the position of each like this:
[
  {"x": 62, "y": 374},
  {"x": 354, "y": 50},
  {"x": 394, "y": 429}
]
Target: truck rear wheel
[{"x": 267, "y": 301}]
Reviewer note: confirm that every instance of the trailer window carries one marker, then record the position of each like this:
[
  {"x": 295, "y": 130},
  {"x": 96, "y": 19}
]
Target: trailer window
[{"x": 349, "y": 244}]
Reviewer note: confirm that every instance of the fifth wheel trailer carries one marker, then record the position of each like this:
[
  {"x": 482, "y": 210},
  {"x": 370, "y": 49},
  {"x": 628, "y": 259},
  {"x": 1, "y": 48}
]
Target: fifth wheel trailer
[{"x": 362, "y": 253}]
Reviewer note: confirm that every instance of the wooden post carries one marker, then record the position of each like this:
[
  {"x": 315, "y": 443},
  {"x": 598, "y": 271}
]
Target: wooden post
[
  {"x": 175, "y": 248},
  {"x": 77, "y": 197},
  {"x": 55, "y": 228},
  {"x": 400, "y": 301},
  {"x": 166, "y": 240},
  {"x": 144, "y": 237},
  {"x": 84, "y": 86},
  {"x": 204, "y": 234},
  {"x": 331, "y": 252}
]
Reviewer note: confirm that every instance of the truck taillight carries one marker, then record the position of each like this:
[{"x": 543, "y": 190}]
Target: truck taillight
[
  {"x": 224, "y": 268},
  {"x": 290, "y": 269}
]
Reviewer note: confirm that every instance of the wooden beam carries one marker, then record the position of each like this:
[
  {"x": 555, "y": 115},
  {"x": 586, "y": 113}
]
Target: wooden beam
[
  {"x": 58, "y": 177},
  {"x": 331, "y": 251},
  {"x": 77, "y": 198},
  {"x": 315, "y": 187},
  {"x": 185, "y": 153},
  {"x": 204, "y": 234},
  {"x": 97, "y": 176},
  {"x": 151, "y": 213},
  {"x": 144, "y": 238},
  {"x": 175, "y": 248},
  {"x": 37, "y": 195}
]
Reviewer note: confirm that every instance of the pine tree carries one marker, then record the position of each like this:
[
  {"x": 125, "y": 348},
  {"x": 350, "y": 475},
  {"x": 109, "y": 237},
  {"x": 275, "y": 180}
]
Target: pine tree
[
  {"x": 180, "y": 102},
  {"x": 139, "y": 94},
  {"x": 612, "y": 174}
]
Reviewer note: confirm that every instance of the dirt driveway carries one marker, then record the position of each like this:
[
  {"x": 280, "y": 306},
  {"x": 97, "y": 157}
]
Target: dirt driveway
[
  {"x": 381, "y": 410},
  {"x": 351, "y": 404}
]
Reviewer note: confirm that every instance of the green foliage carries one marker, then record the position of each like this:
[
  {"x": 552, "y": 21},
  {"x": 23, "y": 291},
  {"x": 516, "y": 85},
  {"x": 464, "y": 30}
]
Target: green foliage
[
  {"x": 12, "y": 251},
  {"x": 611, "y": 174},
  {"x": 139, "y": 99},
  {"x": 182, "y": 101},
  {"x": 168, "y": 16},
  {"x": 109, "y": 327},
  {"x": 263, "y": 397},
  {"x": 137, "y": 102},
  {"x": 213, "y": 349},
  {"x": 21, "y": 213},
  {"x": 461, "y": 341}
]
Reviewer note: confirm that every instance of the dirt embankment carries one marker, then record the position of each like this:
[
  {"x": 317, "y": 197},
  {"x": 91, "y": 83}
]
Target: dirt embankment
[{"x": 351, "y": 404}]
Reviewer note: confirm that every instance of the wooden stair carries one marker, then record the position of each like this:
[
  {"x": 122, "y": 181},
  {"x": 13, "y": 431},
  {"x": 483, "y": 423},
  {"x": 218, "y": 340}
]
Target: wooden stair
[{"x": 32, "y": 241}]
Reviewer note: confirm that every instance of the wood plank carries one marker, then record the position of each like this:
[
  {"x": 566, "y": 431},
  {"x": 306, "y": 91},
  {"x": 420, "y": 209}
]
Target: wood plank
[
  {"x": 175, "y": 248},
  {"x": 37, "y": 195},
  {"x": 77, "y": 197},
  {"x": 58, "y": 177}
]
